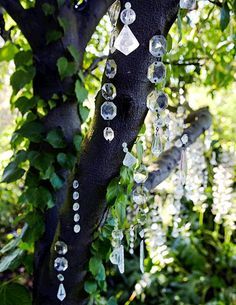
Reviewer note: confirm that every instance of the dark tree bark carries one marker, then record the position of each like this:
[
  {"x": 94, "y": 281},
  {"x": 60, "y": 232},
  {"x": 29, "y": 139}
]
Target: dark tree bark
[{"x": 99, "y": 161}]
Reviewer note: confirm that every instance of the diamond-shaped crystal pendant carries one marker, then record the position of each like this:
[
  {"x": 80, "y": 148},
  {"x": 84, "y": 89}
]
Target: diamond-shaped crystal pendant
[
  {"x": 129, "y": 160},
  {"x": 187, "y": 4},
  {"x": 157, "y": 46},
  {"x": 126, "y": 42},
  {"x": 61, "y": 247},
  {"x": 156, "y": 72},
  {"x": 114, "y": 12},
  {"x": 108, "y": 111},
  {"x": 108, "y": 134},
  {"x": 109, "y": 91},
  {"x": 61, "y": 294},
  {"x": 60, "y": 264},
  {"x": 111, "y": 68}
]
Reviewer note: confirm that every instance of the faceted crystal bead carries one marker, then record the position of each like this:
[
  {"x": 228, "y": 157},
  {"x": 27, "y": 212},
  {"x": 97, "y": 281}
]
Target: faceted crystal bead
[
  {"x": 61, "y": 294},
  {"x": 157, "y": 101},
  {"x": 138, "y": 197},
  {"x": 162, "y": 101},
  {"x": 141, "y": 259},
  {"x": 76, "y": 206},
  {"x": 157, "y": 46},
  {"x": 113, "y": 38},
  {"x": 77, "y": 228},
  {"x": 140, "y": 175},
  {"x": 114, "y": 12},
  {"x": 184, "y": 139},
  {"x": 61, "y": 247},
  {"x": 187, "y": 4},
  {"x": 129, "y": 160},
  {"x": 156, "y": 72},
  {"x": 126, "y": 42},
  {"x": 75, "y": 184},
  {"x": 60, "y": 264},
  {"x": 114, "y": 257},
  {"x": 76, "y": 195},
  {"x": 76, "y": 217},
  {"x": 117, "y": 234},
  {"x": 109, "y": 91},
  {"x": 111, "y": 68},
  {"x": 108, "y": 111},
  {"x": 60, "y": 277},
  {"x": 157, "y": 146},
  {"x": 108, "y": 134},
  {"x": 128, "y": 15}
]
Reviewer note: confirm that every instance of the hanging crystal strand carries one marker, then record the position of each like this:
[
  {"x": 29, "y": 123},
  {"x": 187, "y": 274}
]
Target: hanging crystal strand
[
  {"x": 129, "y": 159},
  {"x": 181, "y": 143},
  {"x": 126, "y": 42},
  {"x": 141, "y": 258},
  {"x": 132, "y": 236},
  {"x": 157, "y": 146},
  {"x": 117, "y": 255}
]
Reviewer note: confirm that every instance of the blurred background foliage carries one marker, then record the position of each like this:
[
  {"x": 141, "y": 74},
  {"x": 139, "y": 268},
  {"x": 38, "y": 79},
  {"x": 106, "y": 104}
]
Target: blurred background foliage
[{"x": 198, "y": 266}]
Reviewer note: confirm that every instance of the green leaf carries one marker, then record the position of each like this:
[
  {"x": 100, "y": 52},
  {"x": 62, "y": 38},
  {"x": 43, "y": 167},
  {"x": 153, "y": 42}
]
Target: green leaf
[
  {"x": 74, "y": 53},
  {"x": 97, "y": 269},
  {"x": 112, "y": 301},
  {"x": 14, "y": 294},
  {"x": 42, "y": 162},
  {"x": 23, "y": 58},
  {"x": 56, "y": 181},
  {"x": 84, "y": 112},
  {"x": 179, "y": 25},
  {"x": 22, "y": 77},
  {"x": 56, "y": 138},
  {"x": 32, "y": 131},
  {"x": 66, "y": 160},
  {"x": 9, "y": 260},
  {"x": 39, "y": 197},
  {"x": 12, "y": 172},
  {"x": 8, "y": 51},
  {"x": 53, "y": 36},
  {"x": 120, "y": 207},
  {"x": 224, "y": 16},
  {"x": 24, "y": 104},
  {"x": 80, "y": 91},
  {"x": 35, "y": 221},
  {"x": 90, "y": 287},
  {"x": 77, "y": 141},
  {"x": 62, "y": 65},
  {"x": 64, "y": 23},
  {"x": 112, "y": 191}
]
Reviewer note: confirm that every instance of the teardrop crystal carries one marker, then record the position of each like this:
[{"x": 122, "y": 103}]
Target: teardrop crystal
[{"x": 61, "y": 294}]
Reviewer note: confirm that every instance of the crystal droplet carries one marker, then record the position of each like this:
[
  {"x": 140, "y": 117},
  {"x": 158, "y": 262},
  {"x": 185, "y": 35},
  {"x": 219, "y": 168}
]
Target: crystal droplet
[
  {"x": 108, "y": 134},
  {"x": 121, "y": 262},
  {"x": 61, "y": 294},
  {"x": 142, "y": 256},
  {"x": 140, "y": 175},
  {"x": 126, "y": 42},
  {"x": 108, "y": 111},
  {"x": 61, "y": 247},
  {"x": 157, "y": 146},
  {"x": 114, "y": 12},
  {"x": 129, "y": 160},
  {"x": 183, "y": 166},
  {"x": 111, "y": 68},
  {"x": 60, "y": 264},
  {"x": 156, "y": 72}
]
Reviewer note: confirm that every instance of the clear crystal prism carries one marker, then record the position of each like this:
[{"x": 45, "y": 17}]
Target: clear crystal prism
[
  {"x": 141, "y": 262},
  {"x": 113, "y": 38},
  {"x": 129, "y": 160},
  {"x": 128, "y": 16},
  {"x": 111, "y": 68},
  {"x": 109, "y": 91},
  {"x": 60, "y": 264},
  {"x": 157, "y": 46},
  {"x": 108, "y": 134},
  {"x": 156, "y": 72},
  {"x": 126, "y": 42},
  {"x": 114, "y": 12},
  {"x": 108, "y": 111},
  {"x": 183, "y": 166},
  {"x": 61, "y": 247},
  {"x": 157, "y": 146},
  {"x": 75, "y": 184},
  {"x": 121, "y": 262},
  {"x": 61, "y": 294}
]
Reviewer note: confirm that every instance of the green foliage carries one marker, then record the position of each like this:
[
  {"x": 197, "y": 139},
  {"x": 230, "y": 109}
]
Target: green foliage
[{"x": 14, "y": 294}]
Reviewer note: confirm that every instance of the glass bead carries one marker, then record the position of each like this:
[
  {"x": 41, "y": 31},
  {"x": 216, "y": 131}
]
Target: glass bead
[
  {"x": 184, "y": 139},
  {"x": 76, "y": 195},
  {"x": 157, "y": 146},
  {"x": 77, "y": 228},
  {"x": 157, "y": 101},
  {"x": 131, "y": 251},
  {"x": 61, "y": 294},
  {"x": 178, "y": 143},
  {"x": 128, "y": 15},
  {"x": 129, "y": 160},
  {"x": 140, "y": 175},
  {"x": 111, "y": 68},
  {"x": 114, "y": 12},
  {"x": 117, "y": 234},
  {"x": 109, "y": 91},
  {"x": 156, "y": 72},
  {"x": 162, "y": 101},
  {"x": 60, "y": 264},
  {"x": 187, "y": 4},
  {"x": 108, "y": 111},
  {"x": 60, "y": 277},
  {"x": 157, "y": 46},
  {"x": 114, "y": 257},
  {"x": 75, "y": 184},
  {"x": 138, "y": 198},
  {"x": 76, "y": 217},
  {"x": 113, "y": 38},
  {"x": 126, "y": 42},
  {"x": 108, "y": 134},
  {"x": 61, "y": 247},
  {"x": 76, "y": 206}
]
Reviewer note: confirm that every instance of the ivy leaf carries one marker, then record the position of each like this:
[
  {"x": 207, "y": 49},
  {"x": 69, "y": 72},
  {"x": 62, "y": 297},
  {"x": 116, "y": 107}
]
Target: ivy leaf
[
  {"x": 120, "y": 207},
  {"x": 65, "y": 67},
  {"x": 14, "y": 294},
  {"x": 39, "y": 197},
  {"x": 112, "y": 191},
  {"x": 8, "y": 51},
  {"x": 12, "y": 172},
  {"x": 74, "y": 53},
  {"x": 84, "y": 112},
  {"x": 56, "y": 181},
  {"x": 35, "y": 221},
  {"x": 80, "y": 91},
  {"x": 56, "y": 138},
  {"x": 66, "y": 160},
  {"x": 90, "y": 287},
  {"x": 9, "y": 260},
  {"x": 23, "y": 58},
  {"x": 77, "y": 141},
  {"x": 224, "y": 16},
  {"x": 22, "y": 77},
  {"x": 32, "y": 131},
  {"x": 97, "y": 269},
  {"x": 24, "y": 104},
  {"x": 64, "y": 23}
]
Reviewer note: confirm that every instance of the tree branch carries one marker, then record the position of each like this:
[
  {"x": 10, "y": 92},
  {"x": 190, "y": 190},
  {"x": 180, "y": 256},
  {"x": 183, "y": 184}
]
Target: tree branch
[{"x": 200, "y": 121}]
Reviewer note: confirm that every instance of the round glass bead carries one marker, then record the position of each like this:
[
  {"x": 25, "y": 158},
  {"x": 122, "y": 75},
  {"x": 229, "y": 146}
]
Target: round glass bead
[
  {"x": 60, "y": 264},
  {"x": 61, "y": 247},
  {"x": 76, "y": 217},
  {"x": 156, "y": 72},
  {"x": 77, "y": 228},
  {"x": 108, "y": 111},
  {"x": 111, "y": 68},
  {"x": 128, "y": 15},
  {"x": 108, "y": 134},
  {"x": 76, "y": 206},
  {"x": 109, "y": 91},
  {"x": 76, "y": 195},
  {"x": 75, "y": 184},
  {"x": 117, "y": 234},
  {"x": 157, "y": 46},
  {"x": 60, "y": 277}
]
